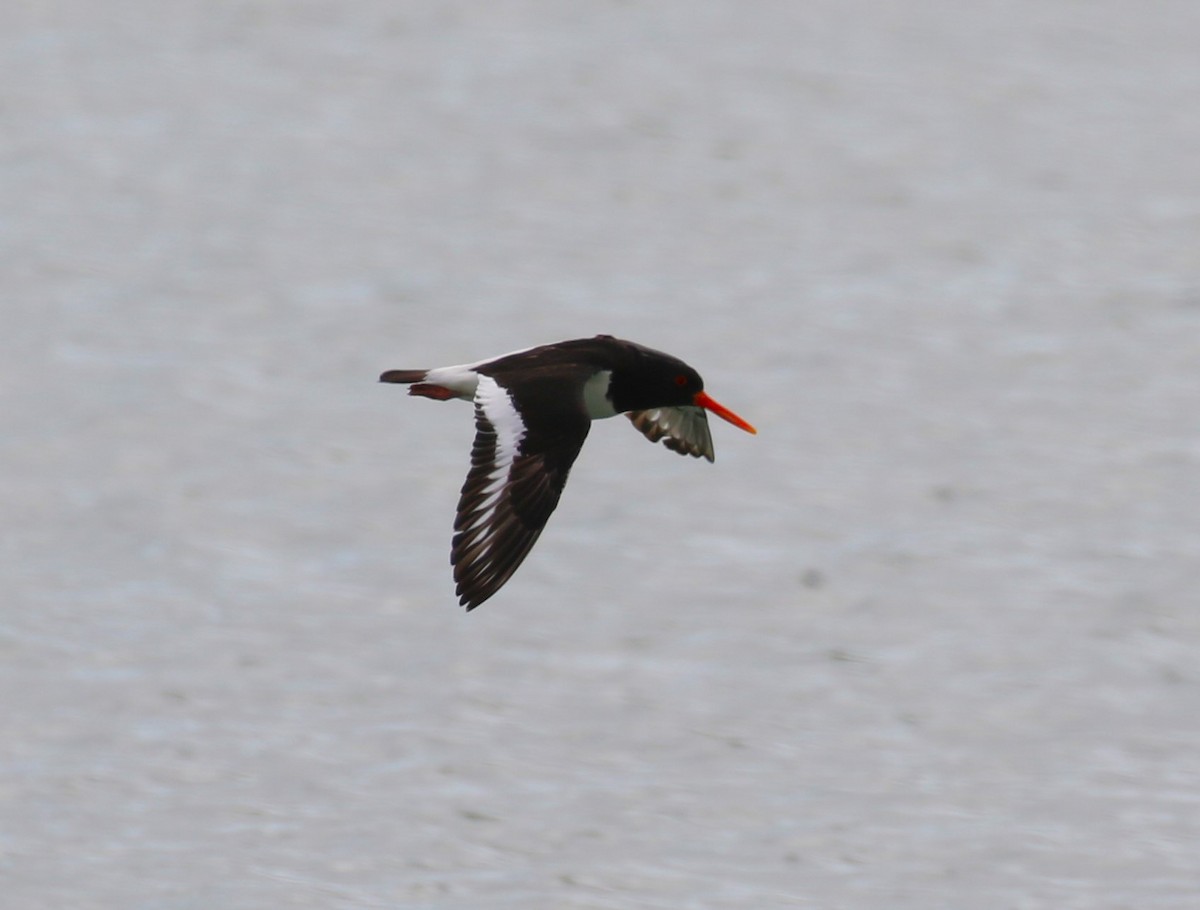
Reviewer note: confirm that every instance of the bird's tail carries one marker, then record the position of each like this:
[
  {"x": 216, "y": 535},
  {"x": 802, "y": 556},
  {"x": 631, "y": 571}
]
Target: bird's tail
[
  {"x": 413, "y": 379},
  {"x": 403, "y": 376}
]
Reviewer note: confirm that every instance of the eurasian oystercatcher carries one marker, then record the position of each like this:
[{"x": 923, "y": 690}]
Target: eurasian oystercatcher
[{"x": 533, "y": 409}]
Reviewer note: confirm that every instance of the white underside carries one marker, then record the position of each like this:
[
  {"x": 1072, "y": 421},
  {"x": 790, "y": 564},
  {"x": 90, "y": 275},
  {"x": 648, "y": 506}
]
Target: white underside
[{"x": 461, "y": 379}]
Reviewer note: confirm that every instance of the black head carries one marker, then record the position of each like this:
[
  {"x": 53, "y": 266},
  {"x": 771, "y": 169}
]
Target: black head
[
  {"x": 653, "y": 380},
  {"x": 643, "y": 379}
]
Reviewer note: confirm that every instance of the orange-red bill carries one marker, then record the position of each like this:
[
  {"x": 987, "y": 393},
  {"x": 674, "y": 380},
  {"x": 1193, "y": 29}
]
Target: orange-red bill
[{"x": 720, "y": 410}]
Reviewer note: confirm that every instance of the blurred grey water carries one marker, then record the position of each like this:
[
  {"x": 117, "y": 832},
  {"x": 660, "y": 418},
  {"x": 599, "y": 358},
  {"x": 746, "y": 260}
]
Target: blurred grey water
[{"x": 928, "y": 641}]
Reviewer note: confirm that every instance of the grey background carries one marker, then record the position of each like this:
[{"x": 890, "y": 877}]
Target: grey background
[{"x": 928, "y": 641}]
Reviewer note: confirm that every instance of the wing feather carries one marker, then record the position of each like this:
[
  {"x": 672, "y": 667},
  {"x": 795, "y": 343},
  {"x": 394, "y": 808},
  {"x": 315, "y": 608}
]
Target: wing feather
[
  {"x": 519, "y": 466},
  {"x": 682, "y": 429}
]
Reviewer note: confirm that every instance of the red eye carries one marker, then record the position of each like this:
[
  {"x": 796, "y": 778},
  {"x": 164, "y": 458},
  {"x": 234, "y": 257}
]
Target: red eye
[{"x": 681, "y": 380}]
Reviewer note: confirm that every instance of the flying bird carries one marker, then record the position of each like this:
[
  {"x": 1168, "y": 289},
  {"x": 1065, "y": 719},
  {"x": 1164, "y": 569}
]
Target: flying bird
[{"x": 533, "y": 409}]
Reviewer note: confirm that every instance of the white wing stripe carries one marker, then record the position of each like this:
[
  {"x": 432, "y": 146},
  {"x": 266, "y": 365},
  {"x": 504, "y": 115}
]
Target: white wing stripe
[{"x": 498, "y": 409}]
